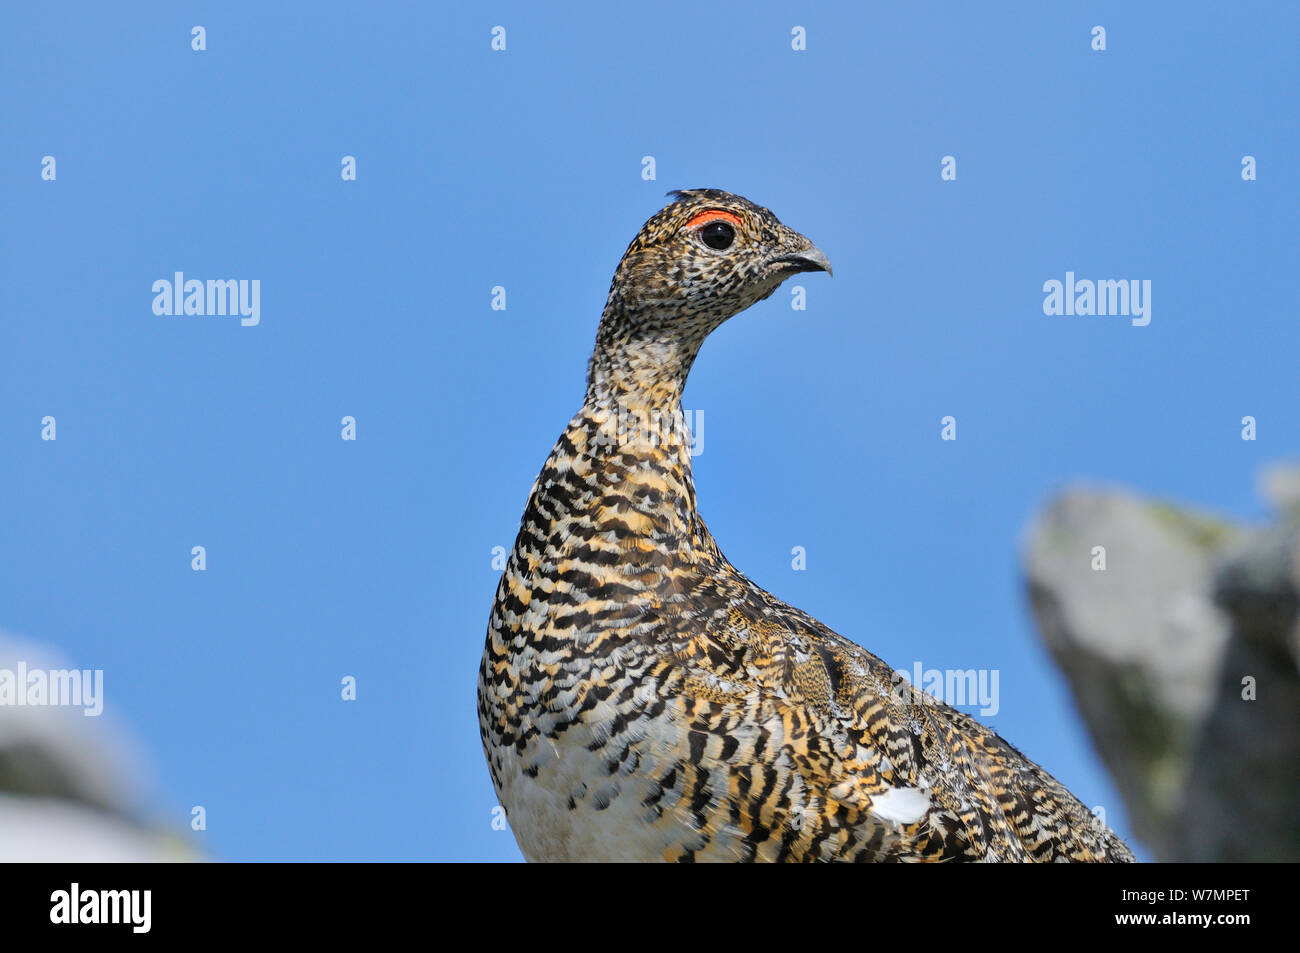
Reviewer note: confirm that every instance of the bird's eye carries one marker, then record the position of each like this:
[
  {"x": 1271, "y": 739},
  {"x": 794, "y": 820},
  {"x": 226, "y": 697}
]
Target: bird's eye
[{"x": 718, "y": 235}]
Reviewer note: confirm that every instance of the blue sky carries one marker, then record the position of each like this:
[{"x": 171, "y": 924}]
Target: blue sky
[{"x": 523, "y": 169}]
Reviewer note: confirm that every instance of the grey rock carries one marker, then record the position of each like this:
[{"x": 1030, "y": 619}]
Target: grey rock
[
  {"x": 72, "y": 787},
  {"x": 1155, "y": 647}
]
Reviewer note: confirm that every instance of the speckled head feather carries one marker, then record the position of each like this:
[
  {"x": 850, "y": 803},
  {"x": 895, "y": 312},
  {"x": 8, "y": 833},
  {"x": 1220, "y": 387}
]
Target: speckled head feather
[{"x": 702, "y": 258}]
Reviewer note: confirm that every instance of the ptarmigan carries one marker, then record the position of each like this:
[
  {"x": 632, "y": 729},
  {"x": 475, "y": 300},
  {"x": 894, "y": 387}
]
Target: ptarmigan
[{"x": 639, "y": 699}]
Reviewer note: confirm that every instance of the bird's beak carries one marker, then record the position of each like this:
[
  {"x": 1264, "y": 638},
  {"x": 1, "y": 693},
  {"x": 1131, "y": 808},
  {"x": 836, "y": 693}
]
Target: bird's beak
[{"x": 811, "y": 258}]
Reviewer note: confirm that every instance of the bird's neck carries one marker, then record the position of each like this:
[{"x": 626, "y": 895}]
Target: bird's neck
[
  {"x": 641, "y": 428},
  {"x": 643, "y": 355},
  {"x": 643, "y": 375},
  {"x": 617, "y": 494},
  {"x": 634, "y": 393},
  {"x": 625, "y": 458},
  {"x": 628, "y": 451}
]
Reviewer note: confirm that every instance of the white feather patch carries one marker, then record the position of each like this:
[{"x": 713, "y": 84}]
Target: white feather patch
[{"x": 901, "y": 805}]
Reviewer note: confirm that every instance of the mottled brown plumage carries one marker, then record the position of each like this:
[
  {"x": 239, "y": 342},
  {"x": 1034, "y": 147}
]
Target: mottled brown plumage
[{"x": 640, "y": 699}]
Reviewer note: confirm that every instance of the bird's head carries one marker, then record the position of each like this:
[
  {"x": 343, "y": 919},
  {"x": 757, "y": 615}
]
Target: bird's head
[{"x": 704, "y": 257}]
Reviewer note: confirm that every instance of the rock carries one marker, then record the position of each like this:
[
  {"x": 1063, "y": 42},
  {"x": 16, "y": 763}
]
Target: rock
[
  {"x": 56, "y": 830},
  {"x": 1243, "y": 792},
  {"x": 70, "y": 785},
  {"x": 1156, "y": 645}
]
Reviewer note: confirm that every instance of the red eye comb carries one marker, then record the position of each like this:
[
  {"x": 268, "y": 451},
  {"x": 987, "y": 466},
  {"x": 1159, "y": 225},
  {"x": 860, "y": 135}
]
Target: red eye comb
[{"x": 713, "y": 215}]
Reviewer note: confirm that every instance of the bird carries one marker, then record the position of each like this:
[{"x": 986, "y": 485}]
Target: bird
[{"x": 639, "y": 699}]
